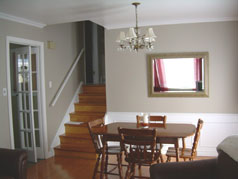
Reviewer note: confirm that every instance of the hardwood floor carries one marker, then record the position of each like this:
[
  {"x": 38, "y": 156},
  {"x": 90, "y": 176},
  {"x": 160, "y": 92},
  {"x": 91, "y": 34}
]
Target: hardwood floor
[
  {"x": 61, "y": 168},
  {"x": 71, "y": 168}
]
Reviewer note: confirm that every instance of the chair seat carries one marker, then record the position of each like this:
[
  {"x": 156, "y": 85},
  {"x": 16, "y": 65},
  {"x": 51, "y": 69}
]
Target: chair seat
[
  {"x": 142, "y": 158},
  {"x": 183, "y": 153},
  {"x": 114, "y": 150},
  {"x": 111, "y": 150}
]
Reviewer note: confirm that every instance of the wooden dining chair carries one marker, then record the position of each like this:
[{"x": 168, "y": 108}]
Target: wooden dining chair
[
  {"x": 139, "y": 146},
  {"x": 187, "y": 153},
  {"x": 110, "y": 150},
  {"x": 158, "y": 120},
  {"x": 153, "y": 119}
]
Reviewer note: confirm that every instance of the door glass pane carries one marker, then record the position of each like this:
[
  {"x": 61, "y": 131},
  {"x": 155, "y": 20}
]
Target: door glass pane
[
  {"x": 21, "y": 86},
  {"x": 35, "y": 101},
  {"x": 27, "y": 102},
  {"x": 19, "y": 63},
  {"x": 36, "y": 120},
  {"x": 25, "y": 139},
  {"x": 28, "y": 121},
  {"x": 34, "y": 81},
  {"x": 29, "y": 139},
  {"x": 20, "y": 81},
  {"x": 37, "y": 137},
  {"x": 22, "y": 120},
  {"x": 21, "y": 101},
  {"x": 25, "y": 81},
  {"x": 33, "y": 62},
  {"x": 26, "y": 63}
]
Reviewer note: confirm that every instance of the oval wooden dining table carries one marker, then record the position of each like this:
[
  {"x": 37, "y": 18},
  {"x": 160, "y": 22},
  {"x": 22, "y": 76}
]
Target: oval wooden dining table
[{"x": 168, "y": 134}]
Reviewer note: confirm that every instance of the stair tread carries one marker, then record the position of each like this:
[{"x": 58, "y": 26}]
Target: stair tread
[
  {"x": 93, "y": 94},
  {"x": 91, "y": 104},
  {"x": 81, "y": 136},
  {"x": 94, "y": 85},
  {"x": 75, "y": 123},
  {"x": 85, "y": 113}
]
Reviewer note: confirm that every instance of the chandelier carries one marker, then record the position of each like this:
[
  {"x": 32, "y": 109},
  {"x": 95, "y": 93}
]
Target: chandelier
[{"x": 133, "y": 40}]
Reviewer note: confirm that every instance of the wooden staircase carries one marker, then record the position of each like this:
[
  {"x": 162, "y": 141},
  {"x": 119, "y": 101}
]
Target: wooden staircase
[{"x": 76, "y": 142}]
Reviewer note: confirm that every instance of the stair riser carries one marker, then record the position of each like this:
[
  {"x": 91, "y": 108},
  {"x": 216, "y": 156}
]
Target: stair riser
[
  {"x": 101, "y": 99},
  {"x": 79, "y": 148},
  {"x": 90, "y": 108},
  {"x": 71, "y": 129},
  {"x": 82, "y": 155},
  {"x": 76, "y": 142},
  {"x": 83, "y": 146},
  {"x": 76, "y": 118},
  {"x": 94, "y": 90}
]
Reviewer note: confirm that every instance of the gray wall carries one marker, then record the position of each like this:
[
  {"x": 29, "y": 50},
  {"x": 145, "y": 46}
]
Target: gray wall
[
  {"x": 68, "y": 39},
  {"x": 126, "y": 72}
]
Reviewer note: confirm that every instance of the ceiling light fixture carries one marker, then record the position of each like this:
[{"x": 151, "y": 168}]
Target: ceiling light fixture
[{"x": 133, "y": 40}]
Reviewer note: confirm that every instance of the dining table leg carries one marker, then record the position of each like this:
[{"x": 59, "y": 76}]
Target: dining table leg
[
  {"x": 102, "y": 161},
  {"x": 177, "y": 150}
]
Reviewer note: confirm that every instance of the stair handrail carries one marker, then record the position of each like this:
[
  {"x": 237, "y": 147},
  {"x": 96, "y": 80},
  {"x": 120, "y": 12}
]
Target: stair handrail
[{"x": 56, "y": 97}]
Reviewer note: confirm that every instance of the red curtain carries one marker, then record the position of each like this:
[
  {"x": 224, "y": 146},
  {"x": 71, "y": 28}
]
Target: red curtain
[
  {"x": 156, "y": 76},
  {"x": 197, "y": 70},
  {"x": 159, "y": 76}
]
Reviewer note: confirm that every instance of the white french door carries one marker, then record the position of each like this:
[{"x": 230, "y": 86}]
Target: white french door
[{"x": 26, "y": 60}]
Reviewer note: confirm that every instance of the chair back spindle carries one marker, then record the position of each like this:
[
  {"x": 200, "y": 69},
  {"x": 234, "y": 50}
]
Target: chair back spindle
[
  {"x": 139, "y": 145},
  {"x": 96, "y": 139},
  {"x": 196, "y": 137}
]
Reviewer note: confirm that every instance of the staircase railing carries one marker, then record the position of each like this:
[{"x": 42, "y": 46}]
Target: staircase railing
[{"x": 56, "y": 97}]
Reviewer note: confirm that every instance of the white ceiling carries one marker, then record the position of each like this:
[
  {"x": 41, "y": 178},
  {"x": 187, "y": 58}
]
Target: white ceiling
[{"x": 118, "y": 13}]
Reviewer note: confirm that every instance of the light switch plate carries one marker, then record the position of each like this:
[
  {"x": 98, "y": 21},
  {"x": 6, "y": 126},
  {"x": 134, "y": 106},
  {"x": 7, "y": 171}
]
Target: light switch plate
[{"x": 50, "y": 44}]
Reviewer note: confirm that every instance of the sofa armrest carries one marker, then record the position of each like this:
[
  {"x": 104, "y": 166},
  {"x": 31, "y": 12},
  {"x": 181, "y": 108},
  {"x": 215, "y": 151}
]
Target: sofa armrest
[
  {"x": 201, "y": 169},
  {"x": 226, "y": 167},
  {"x": 13, "y": 163}
]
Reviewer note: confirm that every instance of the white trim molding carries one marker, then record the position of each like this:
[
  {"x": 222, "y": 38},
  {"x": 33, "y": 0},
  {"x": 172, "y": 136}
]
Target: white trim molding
[
  {"x": 21, "y": 20},
  {"x": 217, "y": 126}
]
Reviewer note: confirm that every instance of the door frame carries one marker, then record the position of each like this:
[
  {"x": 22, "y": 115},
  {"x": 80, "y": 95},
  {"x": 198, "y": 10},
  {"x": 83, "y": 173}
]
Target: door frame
[{"x": 21, "y": 41}]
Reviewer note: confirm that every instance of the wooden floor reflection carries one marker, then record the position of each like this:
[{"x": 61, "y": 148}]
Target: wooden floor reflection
[
  {"x": 70, "y": 168},
  {"x": 61, "y": 168}
]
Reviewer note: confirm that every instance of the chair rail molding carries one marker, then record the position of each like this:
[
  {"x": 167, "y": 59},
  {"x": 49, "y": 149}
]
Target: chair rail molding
[
  {"x": 66, "y": 79},
  {"x": 216, "y": 127}
]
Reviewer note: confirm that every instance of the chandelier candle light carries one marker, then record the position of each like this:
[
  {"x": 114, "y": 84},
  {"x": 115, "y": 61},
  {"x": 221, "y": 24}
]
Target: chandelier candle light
[{"x": 134, "y": 41}]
